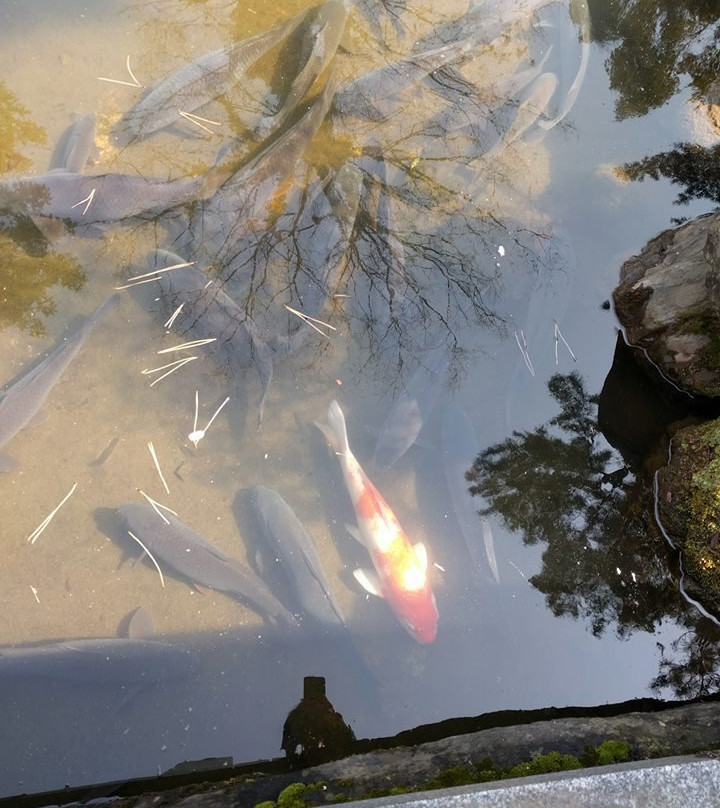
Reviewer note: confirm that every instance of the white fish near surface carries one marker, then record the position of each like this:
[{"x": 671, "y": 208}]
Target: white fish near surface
[
  {"x": 530, "y": 109},
  {"x": 460, "y": 447},
  {"x": 411, "y": 408},
  {"x": 21, "y": 402},
  {"x": 401, "y": 569}
]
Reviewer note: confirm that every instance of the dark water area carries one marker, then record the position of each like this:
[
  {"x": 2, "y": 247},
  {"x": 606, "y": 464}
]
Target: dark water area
[{"x": 455, "y": 222}]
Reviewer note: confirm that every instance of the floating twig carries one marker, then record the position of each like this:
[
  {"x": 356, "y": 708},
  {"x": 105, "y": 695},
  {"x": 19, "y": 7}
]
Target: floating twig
[
  {"x": 176, "y": 365},
  {"x": 522, "y": 344},
  {"x": 198, "y": 121},
  {"x": 198, "y": 434},
  {"x": 196, "y": 343},
  {"x": 157, "y": 465},
  {"x": 150, "y": 277},
  {"x": 149, "y": 555},
  {"x": 133, "y": 83},
  {"x": 156, "y": 505},
  {"x": 558, "y": 334},
  {"x": 311, "y": 320},
  {"x": 173, "y": 316},
  {"x": 33, "y": 537},
  {"x": 88, "y": 199},
  {"x": 35, "y": 593}
]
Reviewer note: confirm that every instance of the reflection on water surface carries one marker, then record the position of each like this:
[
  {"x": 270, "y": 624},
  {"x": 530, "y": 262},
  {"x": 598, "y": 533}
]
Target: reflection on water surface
[{"x": 437, "y": 201}]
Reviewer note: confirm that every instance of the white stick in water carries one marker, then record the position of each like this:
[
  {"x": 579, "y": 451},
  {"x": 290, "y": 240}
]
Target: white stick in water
[
  {"x": 157, "y": 465},
  {"x": 150, "y": 556},
  {"x": 133, "y": 83},
  {"x": 198, "y": 434},
  {"x": 33, "y": 537}
]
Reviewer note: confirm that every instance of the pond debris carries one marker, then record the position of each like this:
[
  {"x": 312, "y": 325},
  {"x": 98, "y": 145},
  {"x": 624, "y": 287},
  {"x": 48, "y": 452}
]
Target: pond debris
[
  {"x": 154, "y": 456},
  {"x": 522, "y": 344},
  {"x": 155, "y": 504},
  {"x": 169, "y": 322},
  {"x": 151, "y": 277},
  {"x": 311, "y": 320},
  {"x": 35, "y": 593},
  {"x": 176, "y": 365},
  {"x": 149, "y": 555},
  {"x": 88, "y": 199},
  {"x": 558, "y": 335},
  {"x": 199, "y": 121},
  {"x": 196, "y": 343},
  {"x": 33, "y": 537},
  {"x": 198, "y": 434},
  {"x": 133, "y": 83}
]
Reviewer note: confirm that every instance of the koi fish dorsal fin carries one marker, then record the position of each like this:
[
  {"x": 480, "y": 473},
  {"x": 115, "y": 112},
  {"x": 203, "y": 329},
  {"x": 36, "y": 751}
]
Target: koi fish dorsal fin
[
  {"x": 368, "y": 581},
  {"x": 421, "y": 554}
]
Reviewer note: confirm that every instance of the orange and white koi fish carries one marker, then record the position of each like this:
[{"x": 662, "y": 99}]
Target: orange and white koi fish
[{"x": 400, "y": 574}]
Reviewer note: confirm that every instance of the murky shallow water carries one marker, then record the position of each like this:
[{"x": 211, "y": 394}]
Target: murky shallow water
[{"x": 550, "y": 227}]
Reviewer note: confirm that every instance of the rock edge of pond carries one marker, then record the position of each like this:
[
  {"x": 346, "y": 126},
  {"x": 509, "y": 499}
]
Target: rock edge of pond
[
  {"x": 558, "y": 744},
  {"x": 668, "y": 301}
]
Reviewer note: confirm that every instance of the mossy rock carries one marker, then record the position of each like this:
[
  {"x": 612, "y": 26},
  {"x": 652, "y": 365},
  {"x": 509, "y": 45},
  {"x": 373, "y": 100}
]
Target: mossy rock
[{"x": 689, "y": 506}]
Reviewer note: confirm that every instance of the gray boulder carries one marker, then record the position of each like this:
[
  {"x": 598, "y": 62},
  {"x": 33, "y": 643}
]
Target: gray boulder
[{"x": 668, "y": 300}]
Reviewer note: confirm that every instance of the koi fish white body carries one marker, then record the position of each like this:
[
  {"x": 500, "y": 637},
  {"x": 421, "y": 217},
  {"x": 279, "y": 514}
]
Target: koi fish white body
[{"x": 400, "y": 574}]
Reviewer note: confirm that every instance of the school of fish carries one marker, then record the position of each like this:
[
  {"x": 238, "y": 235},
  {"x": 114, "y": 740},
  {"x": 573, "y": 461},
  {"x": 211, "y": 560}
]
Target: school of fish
[{"x": 334, "y": 238}]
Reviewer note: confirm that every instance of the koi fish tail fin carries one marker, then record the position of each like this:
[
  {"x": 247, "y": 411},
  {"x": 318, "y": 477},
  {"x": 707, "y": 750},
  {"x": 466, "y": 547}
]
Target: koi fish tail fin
[{"x": 335, "y": 431}]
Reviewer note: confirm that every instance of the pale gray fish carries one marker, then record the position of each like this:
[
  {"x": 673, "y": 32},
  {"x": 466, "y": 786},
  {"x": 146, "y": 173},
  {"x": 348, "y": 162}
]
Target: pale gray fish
[
  {"x": 460, "y": 448},
  {"x": 529, "y": 110},
  {"x": 87, "y": 199},
  {"x": 484, "y": 21},
  {"x": 191, "y": 556},
  {"x": 291, "y": 544},
  {"x": 412, "y": 407},
  {"x": 207, "y": 312},
  {"x": 220, "y": 227},
  {"x": 484, "y": 100},
  {"x": 374, "y": 95},
  {"x": 197, "y": 83},
  {"x": 21, "y": 402},
  {"x": 580, "y": 10},
  {"x": 324, "y": 29},
  {"x": 75, "y": 146},
  {"x": 99, "y": 661}
]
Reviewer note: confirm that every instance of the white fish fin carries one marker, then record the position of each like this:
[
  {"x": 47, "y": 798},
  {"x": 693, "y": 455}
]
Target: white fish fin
[
  {"x": 369, "y": 581},
  {"x": 421, "y": 554},
  {"x": 354, "y": 531}
]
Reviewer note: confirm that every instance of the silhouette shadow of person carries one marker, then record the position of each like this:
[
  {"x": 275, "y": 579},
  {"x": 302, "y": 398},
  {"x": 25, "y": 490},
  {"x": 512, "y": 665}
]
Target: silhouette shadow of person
[{"x": 314, "y": 732}]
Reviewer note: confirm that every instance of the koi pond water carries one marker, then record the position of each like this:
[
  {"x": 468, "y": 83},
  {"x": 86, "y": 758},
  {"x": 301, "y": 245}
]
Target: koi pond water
[{"x": 217, "y": 219}]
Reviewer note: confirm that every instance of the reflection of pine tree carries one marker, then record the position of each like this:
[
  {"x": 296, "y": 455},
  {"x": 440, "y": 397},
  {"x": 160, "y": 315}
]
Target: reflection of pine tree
[
  {"x": 659, "y": 42},
  {"x": 697, "y": 672},
  {"x": 688, "y": 164},
  {"x": 600, "y": 562}
]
